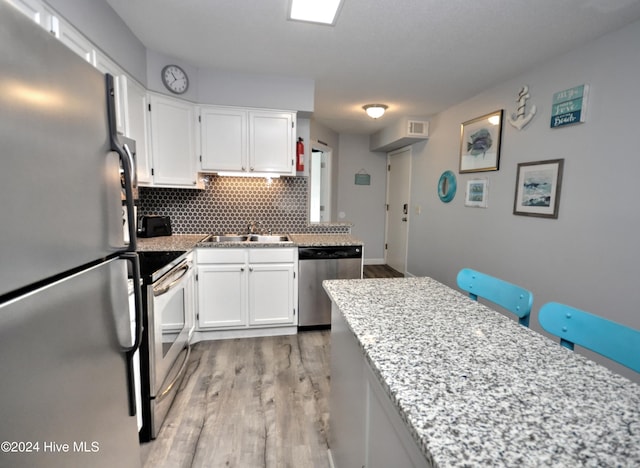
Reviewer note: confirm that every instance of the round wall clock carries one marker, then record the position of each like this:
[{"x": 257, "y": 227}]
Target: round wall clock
[
  {"x": 175, "y": 79},
  {"x": 447, "y": 186}
]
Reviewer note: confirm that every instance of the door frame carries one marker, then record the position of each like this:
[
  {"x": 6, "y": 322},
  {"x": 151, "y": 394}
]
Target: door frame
[{"x": 386, "y": 221}]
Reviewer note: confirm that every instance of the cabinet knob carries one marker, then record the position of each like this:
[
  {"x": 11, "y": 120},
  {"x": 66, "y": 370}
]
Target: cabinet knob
[{"x": 241, "y": 268}]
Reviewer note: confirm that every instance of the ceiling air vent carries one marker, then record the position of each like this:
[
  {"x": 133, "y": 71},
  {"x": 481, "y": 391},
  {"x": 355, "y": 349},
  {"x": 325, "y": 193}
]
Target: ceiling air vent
[{"x": 402, "y": 133}]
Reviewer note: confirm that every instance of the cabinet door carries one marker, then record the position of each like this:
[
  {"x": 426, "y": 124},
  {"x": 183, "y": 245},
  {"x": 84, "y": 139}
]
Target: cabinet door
[
  {"x": 173, "y": 142},
  {"x": 271, "y": 294},
  {"x": 224, "y": 139},
  {"x": 137, "y": 126},
  {"x": 31, "y": 8},
  {"x": 75, "y": 41},
  {"x": 221, "y": 296},
  {"x": 271, "y": 142}
]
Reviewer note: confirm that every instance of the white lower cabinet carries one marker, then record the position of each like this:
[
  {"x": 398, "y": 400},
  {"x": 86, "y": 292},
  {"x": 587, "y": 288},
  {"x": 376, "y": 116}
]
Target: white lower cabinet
[{"x": 246, "y": 287}]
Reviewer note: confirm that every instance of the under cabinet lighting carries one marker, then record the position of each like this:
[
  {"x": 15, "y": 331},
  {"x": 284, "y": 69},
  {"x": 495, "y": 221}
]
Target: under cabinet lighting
[
  {"x": 265, "y": 175},
  {"x": 315, "y": 11}
]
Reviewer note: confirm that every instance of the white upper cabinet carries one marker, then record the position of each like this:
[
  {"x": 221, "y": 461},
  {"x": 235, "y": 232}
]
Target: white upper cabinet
[
  {"x": 168, "y": 137},
  {"x": 75, "y": 41},
  {"x": 224, "y": 138},
  {"x": 272, "y": 142},
  {"x": 32, "y": 8},
  {"x": 173, "y": 142},
  {"x": 247, "y": 140},
  {"x": 136, "y": 125}
]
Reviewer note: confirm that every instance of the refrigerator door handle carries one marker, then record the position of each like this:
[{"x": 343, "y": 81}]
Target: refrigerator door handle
[
  {"x": 132, "y": 257},
  {"x": 126, "y": 161},
  {"x": 132, "y": 165}
]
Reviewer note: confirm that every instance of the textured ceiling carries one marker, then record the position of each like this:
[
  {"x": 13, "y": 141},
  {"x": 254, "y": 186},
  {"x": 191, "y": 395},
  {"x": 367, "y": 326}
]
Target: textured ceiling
[{"x": 417, "y": 56}]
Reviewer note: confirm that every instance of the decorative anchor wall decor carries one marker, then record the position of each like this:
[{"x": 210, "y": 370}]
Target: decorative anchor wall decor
[{"x": 519, "y": 120}]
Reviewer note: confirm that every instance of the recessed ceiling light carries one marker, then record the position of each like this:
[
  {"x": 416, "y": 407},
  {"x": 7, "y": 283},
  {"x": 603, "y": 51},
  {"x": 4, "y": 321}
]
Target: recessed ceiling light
[{"x": 315, "y": 11}]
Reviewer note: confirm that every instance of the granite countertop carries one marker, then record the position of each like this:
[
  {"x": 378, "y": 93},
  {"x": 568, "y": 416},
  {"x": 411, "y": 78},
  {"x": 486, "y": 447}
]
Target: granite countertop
[
  {"x": 168, "y": 243},
  {"x": 324, "y": 240},
  {"x": 190, "y": 241},
  {"x": 477, "y": 389}
]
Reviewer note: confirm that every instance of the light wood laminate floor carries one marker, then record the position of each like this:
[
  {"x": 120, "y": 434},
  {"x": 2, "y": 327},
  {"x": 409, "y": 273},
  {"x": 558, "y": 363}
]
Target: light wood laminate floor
[
  {"x": 257, "y": 402},
  {"x": 380, "y": 271}
]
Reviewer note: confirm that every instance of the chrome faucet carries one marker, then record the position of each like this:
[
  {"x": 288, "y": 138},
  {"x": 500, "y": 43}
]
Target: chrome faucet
[{"x": 255, "y": 227}]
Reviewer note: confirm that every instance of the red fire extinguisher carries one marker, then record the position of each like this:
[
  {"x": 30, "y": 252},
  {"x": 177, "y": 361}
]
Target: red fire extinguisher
[{"x": 300, "y": 155}]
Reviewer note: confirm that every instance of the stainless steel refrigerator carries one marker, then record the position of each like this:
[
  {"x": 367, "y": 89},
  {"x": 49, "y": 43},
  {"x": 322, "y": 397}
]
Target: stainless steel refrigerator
[{"x": 66, "y": 345}]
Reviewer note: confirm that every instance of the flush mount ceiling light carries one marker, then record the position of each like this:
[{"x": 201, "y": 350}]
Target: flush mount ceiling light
[
  {"x": 315, "y": 11},
  {"x": 375, "y": 111}
]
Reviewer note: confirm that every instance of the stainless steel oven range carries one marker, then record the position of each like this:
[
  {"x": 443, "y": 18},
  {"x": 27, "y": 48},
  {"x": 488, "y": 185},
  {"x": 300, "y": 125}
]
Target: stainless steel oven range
[{"x": 167, "y": 302}]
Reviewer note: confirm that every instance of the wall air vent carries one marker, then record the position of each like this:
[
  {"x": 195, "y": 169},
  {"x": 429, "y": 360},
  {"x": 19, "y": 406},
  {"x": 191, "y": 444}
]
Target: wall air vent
[
  {"x": 404, "y": 132},
  {"x": 418, "y": 128}
]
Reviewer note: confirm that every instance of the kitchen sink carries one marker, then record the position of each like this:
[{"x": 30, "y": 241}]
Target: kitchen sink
[
  {"x": 227, "y": 238},
  {"x": 263, "y": 238},
  {"x": 268, "y": 238}
]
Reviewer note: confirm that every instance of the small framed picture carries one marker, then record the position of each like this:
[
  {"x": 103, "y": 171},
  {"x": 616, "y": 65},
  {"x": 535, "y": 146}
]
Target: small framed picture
[
  {"x": 480, "y": 143},
  {"x": 477, "y": 193},
  {"x": 538, "y": 188}
]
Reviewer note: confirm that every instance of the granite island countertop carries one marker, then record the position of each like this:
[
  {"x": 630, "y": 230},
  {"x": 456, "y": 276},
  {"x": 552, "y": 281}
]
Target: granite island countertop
[{"x": 474, "y": 388}]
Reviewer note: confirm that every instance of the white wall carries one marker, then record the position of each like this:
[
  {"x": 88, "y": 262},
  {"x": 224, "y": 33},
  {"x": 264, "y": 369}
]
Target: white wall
[
  {"x": 589, "y": 256},
  {"x": 235, "y": 89},
  {"x": 328, "y": 137},
  {"x": 363, "y": 205}
]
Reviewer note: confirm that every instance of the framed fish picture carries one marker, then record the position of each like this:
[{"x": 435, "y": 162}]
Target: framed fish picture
[
  {"x": 480, "y": 143},
  {"x": 538, "y": 188}
]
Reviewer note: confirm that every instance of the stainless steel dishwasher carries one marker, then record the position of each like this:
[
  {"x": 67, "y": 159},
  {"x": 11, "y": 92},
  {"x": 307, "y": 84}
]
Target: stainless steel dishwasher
[{"x": 316, "y": 264}]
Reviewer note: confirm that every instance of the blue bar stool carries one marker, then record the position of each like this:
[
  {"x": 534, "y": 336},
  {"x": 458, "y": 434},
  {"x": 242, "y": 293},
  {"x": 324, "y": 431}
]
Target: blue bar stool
[
  {"x": 609, "y": 339},
  {"x": 509, "y": 296}
]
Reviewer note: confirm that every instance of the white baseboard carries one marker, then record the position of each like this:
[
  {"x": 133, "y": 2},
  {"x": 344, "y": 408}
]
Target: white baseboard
[
  {"x": 207, "y": 335},
  {"x": 374, "y": 261}
]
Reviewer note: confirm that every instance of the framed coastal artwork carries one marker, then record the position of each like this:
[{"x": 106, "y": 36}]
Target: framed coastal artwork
[
  {"x": 538, "y": 187},
  {"x": 477, "y": 193},
  {"x": 480, "y": 143}
]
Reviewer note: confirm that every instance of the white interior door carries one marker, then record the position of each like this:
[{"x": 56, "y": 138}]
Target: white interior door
[{"x": 397, "y": 223}]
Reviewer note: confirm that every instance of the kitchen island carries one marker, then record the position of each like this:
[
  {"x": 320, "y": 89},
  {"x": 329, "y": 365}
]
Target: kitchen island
[{"x": 423, "y": 376}]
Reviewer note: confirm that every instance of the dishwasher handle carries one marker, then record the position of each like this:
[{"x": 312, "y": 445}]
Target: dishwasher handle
[{"x": 329, "y": 252}]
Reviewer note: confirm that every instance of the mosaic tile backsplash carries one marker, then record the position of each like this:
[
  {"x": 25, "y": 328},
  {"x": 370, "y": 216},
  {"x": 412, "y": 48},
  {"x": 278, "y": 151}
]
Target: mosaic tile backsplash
[{"x": 229, "y": 204}]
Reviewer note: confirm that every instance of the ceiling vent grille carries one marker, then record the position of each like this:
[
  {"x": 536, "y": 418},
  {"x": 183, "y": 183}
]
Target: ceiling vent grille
[{"x": 402, "y": 133}]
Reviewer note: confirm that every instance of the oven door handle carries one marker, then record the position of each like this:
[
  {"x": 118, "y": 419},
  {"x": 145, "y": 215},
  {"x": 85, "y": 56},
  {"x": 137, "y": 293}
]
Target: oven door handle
[
  {"x": 177, "y": 275},
  {"x": 178, "y": 375}
]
